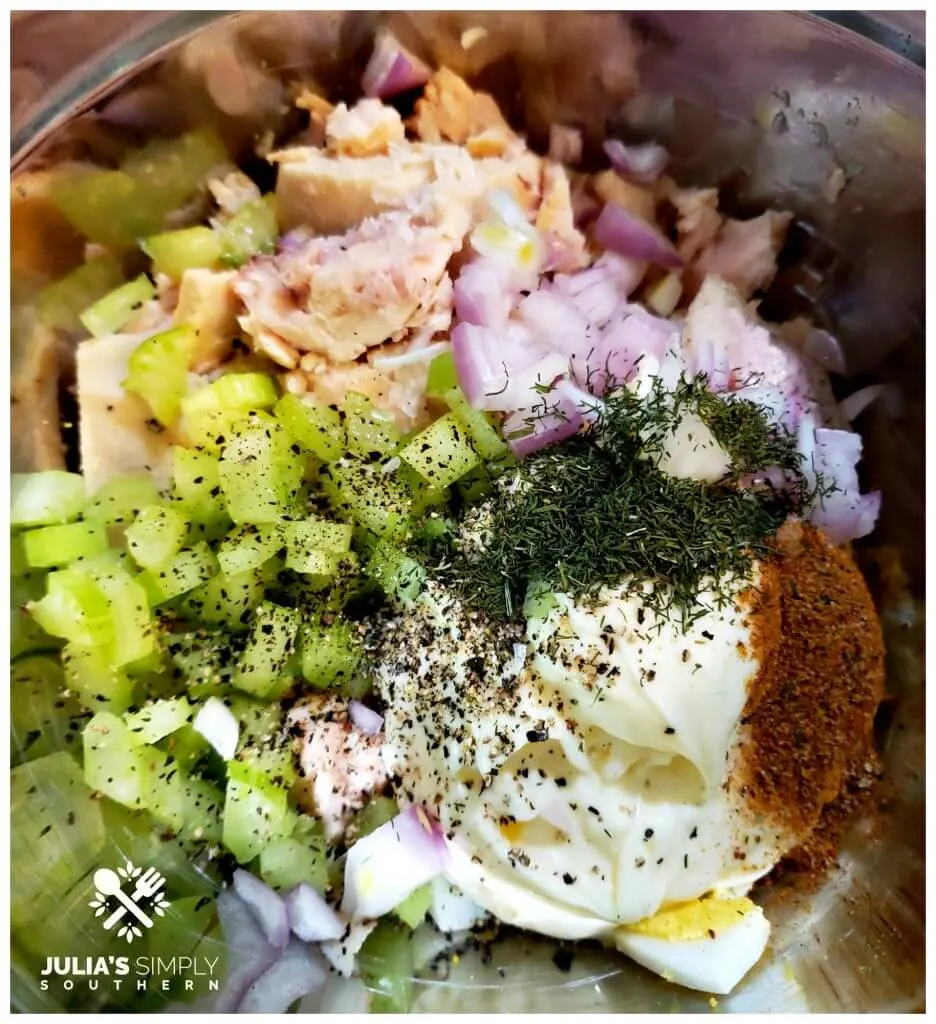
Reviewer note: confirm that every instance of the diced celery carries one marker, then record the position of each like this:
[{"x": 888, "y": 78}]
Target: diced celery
[
  {"x": 196, "y": 484},
  {"x": 74, "y": 608},
  {"x": 60, "y": 303},
  {"x": 412, "y": 911},
  {"x": 233, "y": 392},
  {"x": 376, "y": 812},
  {"x": 330, "y": 654},
  {"x": 260, "y": 474},
  {"x": 287, "y": 861},
  {"x": 386, "y": 964},
  {"x": 226, "y": 600},
  {"x": 156, "y": 535},
  {"x": 19, "y": 566},
  {"x": 119, "y": 207},
  {"x": 539, "y": 601},
  {"x": 174, "y": 252},
  {"x": 42, "y": 719},
  {"x": 116, "y": 762},
  {"x": 315, "y": 545},
  {"x": 442, "y": 452},
  {"x": 154, "y": 721},
  {"x": 188, "y": 747},
  {"x": 315, "y": 426},
  {"x": 398, "y": 575},
  {"x": 422, "y": 495},
  {"x": 266, "y": 657},
  {"x": 248, "y": 547},
  {"x": 121, "y": 498},
  {"x": 189, "y": 568},
  {"x": 109, "y": 314},
  {"x": 95, "y": 680},
  {"x": 277, "y": 761},
  {"x": 360, "y": 492},
  {"x": 256, "y": 812},
  {"x": 26, "y": 635},
  {"x": 371, "y": 431},
  {"x": 252, "y": 231},
  {"x": 442, "y": 376},
  {"x": 58, "y": 545},
  {"x": 487, "y": 441},
  {"x": 180, "y": 931},
  {"x": 56, "y": 832},
  {"x": 158, "y": 371},
  {"x": 188, "y": 805},
  {"x": 133, "y": 638},
  {"x": 44, "y": 499}
]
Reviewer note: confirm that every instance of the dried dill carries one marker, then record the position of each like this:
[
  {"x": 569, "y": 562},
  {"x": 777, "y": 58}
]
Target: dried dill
[{"x": 597, "y": 511}]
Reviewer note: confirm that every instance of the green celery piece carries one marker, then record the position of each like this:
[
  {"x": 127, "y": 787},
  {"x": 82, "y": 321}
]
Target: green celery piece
[
  {"x": 57, "y": 833},
  {"x": 174, "y": 252},
  {"x": 43, "y": 720},
  {"x": 252, "y": 231},
  {"x": 116, "y": 762},
  {"x": 370, "y": 430},
  {"x": 187, "y": 570},
  {"x": 190, "y": 806},
  {"x": 488, "y": 442},
  {"x": 260, "y": 474},
  {"x": 118, "y": 207},
  {"x": 196, "y": 485},
  {"x": 266, "y": 658},
  {"x": 358, "y": 491},
  {"x": 442, "y": 376},
  {"x": 386, "y": 963},
  {"x": 110, "y": 313},
  {"x": 329, "y": 654},
  {"x": 412, "y": 911},
  {"x": 74, "y": 607},
  {"x": 227, "y": 600},
  {"x": 234, "y": 392},
  {"x": 376, "y": 812},
  {"x": 256, "y": 812},
  {"x": 59, "y": 304},
  {"x": 315, "y": 545},
  {"x": 133, "y": 638},
  {"x": 315, "y": 426},
  {"x": 47, "y": 498},
  {"x": 397, "y": 574},
  {"x": 248, "y": 547},
  {"x": 442, "y": 452},
  {"x": 26, "y": 635},
  {"x": 158, "y": 371},
  {"x": 121, "y": 498},
  {"x": 156, "y": 536},
  {"x": 157, "y": 720},
  {"x": 287, "y": 861},
  {"x": 96, "y": 682},
  {"x": 58, "y": 545}
]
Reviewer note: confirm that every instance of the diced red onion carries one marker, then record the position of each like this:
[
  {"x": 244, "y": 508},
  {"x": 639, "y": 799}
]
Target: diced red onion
[
  {"x": 843, "y": 514},
  {"x": 266, "y": 904},
  {"x": 628, "y": 235},
  {"x": 555, "y": 420},
  {"x": 250, "y": 955},
  {"x": 219, "y": 726},
  {"x": 384, "y": 867},
  {"x": 641, "y": 164},
  {"x": 623, "y": 344},
  {"x": 824, "y": 349},
  {"x": 297, "y": 973},
  {"x": 565, "y": 144},
  {"x": 587, "y": 404},
  {"x": 704, "y": 356},
  {"x": 556, "y": 322},
  {"x": 392, "y": 69},
  {"x": 367, "y": 720},
  {"x": 603, "y": 288},
  {"x": 294, "y": 240},
  {"x": 310, "y": 917},
  {"x": 499, "y": 370},
  {"x": 482, "y": 295},
  {"x": 342, "y": 952},
  {"x": 856, "y": 403}
]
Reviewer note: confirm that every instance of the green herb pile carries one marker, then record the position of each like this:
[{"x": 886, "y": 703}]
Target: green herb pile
[{"x": 597, "y": 511}]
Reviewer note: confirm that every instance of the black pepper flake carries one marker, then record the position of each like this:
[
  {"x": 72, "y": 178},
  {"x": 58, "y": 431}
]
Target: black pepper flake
[
  {"x": 563, "y": 959},
  {"x": 537, "y": 735},
  {"x": 694, "y": 832},
  {"x": 669, "y": 730},
  {"x": 568, "y": 879},
  {"x": 648, "y": 833}
]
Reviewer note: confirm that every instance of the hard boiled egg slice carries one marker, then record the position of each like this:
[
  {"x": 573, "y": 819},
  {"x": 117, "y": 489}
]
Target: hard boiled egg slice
[{"x": 707, "y": 944}]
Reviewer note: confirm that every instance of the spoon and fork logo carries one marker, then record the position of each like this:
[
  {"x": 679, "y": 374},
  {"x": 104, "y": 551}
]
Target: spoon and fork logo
[{"x": 146, "y": 891}]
